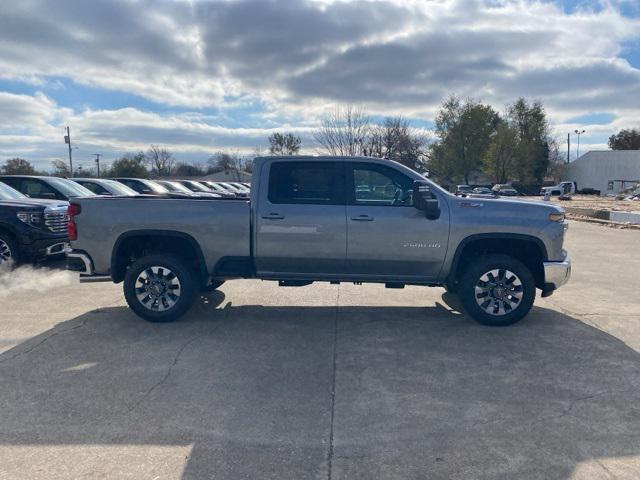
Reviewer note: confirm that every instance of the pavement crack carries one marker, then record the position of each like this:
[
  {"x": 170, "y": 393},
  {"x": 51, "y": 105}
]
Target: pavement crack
[
  {"x": 44, "y": 340},
  {"x": 333, "y": 386},
  {"x": 165, "y": 377}
]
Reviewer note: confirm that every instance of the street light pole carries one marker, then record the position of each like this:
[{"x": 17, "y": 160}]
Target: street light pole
[
  {"x": 98, "y": 155},
  {"x": 579, "y": 132},
  {"x": 67, "y": 140},
  {"x": 568, "y": 147}
]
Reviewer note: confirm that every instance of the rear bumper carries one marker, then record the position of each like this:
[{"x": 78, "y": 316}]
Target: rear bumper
[
  {"x": 556, "y": 274},
  {"x": 80, "y": 261}
]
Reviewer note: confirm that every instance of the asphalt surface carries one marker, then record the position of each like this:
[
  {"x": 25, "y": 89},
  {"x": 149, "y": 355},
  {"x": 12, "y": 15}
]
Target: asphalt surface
[{"x": 325, "y": 382}]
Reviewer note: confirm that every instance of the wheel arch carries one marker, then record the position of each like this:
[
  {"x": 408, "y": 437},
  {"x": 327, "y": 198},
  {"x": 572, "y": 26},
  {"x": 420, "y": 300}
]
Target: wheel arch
[
  {"x": 137, "y": 243},
  {"x": 9, "y": 230},
  {"x": 528, "y": 249}
]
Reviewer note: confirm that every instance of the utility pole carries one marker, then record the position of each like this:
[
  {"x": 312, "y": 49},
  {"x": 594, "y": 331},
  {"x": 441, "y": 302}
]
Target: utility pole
[
  {"x": 579, "y": 132},
  {"x": 568, "y": 146},
  {"x": 67, "y": 140},
  {"x": 98, "y": 155}
]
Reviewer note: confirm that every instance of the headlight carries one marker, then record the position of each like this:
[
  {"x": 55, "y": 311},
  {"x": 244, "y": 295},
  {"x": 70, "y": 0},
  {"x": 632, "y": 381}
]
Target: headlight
[
  {"x": 34, "y": 219},
  {"x": 556, "y": 217}
]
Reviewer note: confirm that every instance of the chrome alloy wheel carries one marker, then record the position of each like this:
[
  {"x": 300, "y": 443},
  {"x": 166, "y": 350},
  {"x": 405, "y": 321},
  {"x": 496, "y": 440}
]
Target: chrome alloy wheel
[
  {"x": 157, "y": 288},
  {"x": 499, "y": 292},
  {"x": 5, "y": 252}
]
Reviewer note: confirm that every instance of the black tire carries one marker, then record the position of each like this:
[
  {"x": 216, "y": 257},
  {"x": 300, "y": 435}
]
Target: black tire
[
  {"x": 497, "y": 296},
  {"x": 186, "y": 281},
  {"x": 452, "y": 287},
  {"x": 212, "y": 286},
  {"x": 8, "y": 249}
]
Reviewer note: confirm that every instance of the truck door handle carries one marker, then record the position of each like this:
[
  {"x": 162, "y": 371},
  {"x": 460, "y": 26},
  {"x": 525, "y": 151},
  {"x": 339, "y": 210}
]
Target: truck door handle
[
  {"x": 362, "y": 218},
  {"x": 273, "y": 216}
]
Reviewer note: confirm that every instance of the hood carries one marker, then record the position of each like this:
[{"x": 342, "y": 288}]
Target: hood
[
  {"x": 509, "y": 205},
  {"x": 34, "y": 202}
]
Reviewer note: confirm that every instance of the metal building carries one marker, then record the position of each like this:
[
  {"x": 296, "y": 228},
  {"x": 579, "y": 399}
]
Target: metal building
[{"x": 609, "y": 171}]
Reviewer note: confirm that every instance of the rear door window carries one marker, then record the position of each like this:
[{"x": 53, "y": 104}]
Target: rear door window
[{"x": 320, "y": 183}]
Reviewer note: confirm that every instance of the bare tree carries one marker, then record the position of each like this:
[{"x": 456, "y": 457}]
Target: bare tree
[
  {"x": 284, "y": 144},
  {"x": 60, "y": 168},
  {"x": 344, "y": 132},
  {"x": 160, "y": 159},
  {"x": 396, "y": 140},
  {"x": 220, "y": 161}
]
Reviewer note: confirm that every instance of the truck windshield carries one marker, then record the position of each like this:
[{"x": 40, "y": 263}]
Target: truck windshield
[
  {"x": 69, "y": 188},
  {"x": 8, "y": 193},
  {"x": 120, "y": 189}
]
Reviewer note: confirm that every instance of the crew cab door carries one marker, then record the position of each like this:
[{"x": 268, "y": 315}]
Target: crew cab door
[
  {"x": 300, "y": 219},
  {"x": 386, "y": 235}
]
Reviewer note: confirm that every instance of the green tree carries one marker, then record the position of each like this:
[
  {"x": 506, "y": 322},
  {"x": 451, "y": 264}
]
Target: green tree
[
  {"x": 17, "y": 166},
  {"x": 530, "y": 122},
  {"x": 130, "y": 165},
  {"x": 499, "y": 158},
  {"x": 625, "y": 140},
  {"x": 284, "y": 144},
  {"x": 464, "y": 131}
]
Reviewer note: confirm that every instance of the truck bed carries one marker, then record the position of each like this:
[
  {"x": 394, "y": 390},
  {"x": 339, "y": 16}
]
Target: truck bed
[{"x": 220, "y": 226}]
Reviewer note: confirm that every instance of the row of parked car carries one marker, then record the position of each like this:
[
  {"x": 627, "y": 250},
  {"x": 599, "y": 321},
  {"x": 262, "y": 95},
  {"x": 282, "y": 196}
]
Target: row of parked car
[
  {"x": 33, "y": 209},
  {"x": 54, "y": 188},
  {"x": 500, "y": 189}
]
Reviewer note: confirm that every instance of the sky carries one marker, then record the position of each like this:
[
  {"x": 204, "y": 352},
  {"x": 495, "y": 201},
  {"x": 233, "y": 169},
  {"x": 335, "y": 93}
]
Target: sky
[{"x": 202, "y": 76}]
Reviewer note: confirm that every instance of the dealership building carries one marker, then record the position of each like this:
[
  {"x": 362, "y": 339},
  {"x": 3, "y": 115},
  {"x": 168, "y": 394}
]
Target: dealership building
[{"x": 609, "y": 171}]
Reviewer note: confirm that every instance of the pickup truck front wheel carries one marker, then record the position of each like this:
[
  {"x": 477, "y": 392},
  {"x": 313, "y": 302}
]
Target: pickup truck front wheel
[
  {"x": 497, "y": 290},
  {"x": 8, "y": 249},
  {"x": 159, "y": 288}
]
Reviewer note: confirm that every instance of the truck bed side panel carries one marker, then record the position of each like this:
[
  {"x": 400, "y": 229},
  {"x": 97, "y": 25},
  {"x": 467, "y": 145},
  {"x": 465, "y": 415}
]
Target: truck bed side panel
[{"x": 220, "y": 227}]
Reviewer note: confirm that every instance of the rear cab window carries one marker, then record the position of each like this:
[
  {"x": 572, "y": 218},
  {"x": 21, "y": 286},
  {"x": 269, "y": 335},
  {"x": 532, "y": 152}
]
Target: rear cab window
[{"x": 306, "y": 182}]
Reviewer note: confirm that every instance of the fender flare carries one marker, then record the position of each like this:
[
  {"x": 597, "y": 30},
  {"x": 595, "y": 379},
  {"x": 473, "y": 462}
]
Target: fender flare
[
  {"x": 202, "y": 269},
  {"x": 494, "y": 236}
]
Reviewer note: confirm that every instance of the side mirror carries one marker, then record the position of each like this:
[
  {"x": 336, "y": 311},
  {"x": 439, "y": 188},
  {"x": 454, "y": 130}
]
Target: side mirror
[{"x": 425, "y": 201}]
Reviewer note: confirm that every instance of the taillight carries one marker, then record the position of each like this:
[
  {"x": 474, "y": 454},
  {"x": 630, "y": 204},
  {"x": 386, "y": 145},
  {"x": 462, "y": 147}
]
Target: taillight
[{"x": 72, "y": 228}]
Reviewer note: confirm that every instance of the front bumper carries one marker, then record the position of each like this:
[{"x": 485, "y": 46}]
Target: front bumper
[
  {"x": 556, "y": 274},
  {"x": 42, "y": 248}
]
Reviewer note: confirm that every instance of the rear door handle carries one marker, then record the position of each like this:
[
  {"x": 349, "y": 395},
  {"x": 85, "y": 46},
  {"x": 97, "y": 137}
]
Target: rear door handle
[
  {"x": 273, "y": 216},
  {"x": 362, "y": 218}
]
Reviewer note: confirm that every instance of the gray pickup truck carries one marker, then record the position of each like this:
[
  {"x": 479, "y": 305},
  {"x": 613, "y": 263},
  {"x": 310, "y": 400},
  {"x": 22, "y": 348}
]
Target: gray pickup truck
[{"x": 329, "y": 219}]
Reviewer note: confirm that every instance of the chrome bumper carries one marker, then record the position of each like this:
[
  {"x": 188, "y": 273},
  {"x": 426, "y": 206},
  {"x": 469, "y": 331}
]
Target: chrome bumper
[
  {"x": 87, "y": 274},
  {"x": 557, "y": 274},
  {"x": 57, "y": 249}
]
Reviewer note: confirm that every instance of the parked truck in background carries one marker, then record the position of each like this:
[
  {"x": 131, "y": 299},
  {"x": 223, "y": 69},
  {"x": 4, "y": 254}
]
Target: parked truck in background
[
  {"x": 563, "y": 188},
  {"x": 30, "y": 229},
  {"x": 331, "y": 219}
]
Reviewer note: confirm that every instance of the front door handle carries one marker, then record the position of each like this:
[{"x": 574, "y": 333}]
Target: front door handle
[
  {"x": 362, "y": 218},
  {"x": 273, "y": 216}
]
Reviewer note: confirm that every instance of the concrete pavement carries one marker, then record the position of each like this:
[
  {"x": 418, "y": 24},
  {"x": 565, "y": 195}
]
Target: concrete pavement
[{"x": 328, "y": 382}]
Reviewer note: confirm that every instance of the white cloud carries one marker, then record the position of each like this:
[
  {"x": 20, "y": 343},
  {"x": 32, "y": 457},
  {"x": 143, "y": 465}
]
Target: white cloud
[{"x": 299, "y": 58}]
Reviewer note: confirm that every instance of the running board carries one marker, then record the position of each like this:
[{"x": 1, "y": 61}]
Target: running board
[
  {"x": 94, "y": 278},
  {"x": 294, "y": 283}
]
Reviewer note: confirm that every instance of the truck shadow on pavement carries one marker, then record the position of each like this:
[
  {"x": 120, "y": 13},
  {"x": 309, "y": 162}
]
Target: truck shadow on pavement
[{"x": 420, "y": 392}]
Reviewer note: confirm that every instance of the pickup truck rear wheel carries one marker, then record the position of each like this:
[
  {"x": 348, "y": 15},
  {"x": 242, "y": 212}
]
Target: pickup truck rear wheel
[
  {"x": 159, "y": 288},
  {"x": 497, "y": 290}
]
